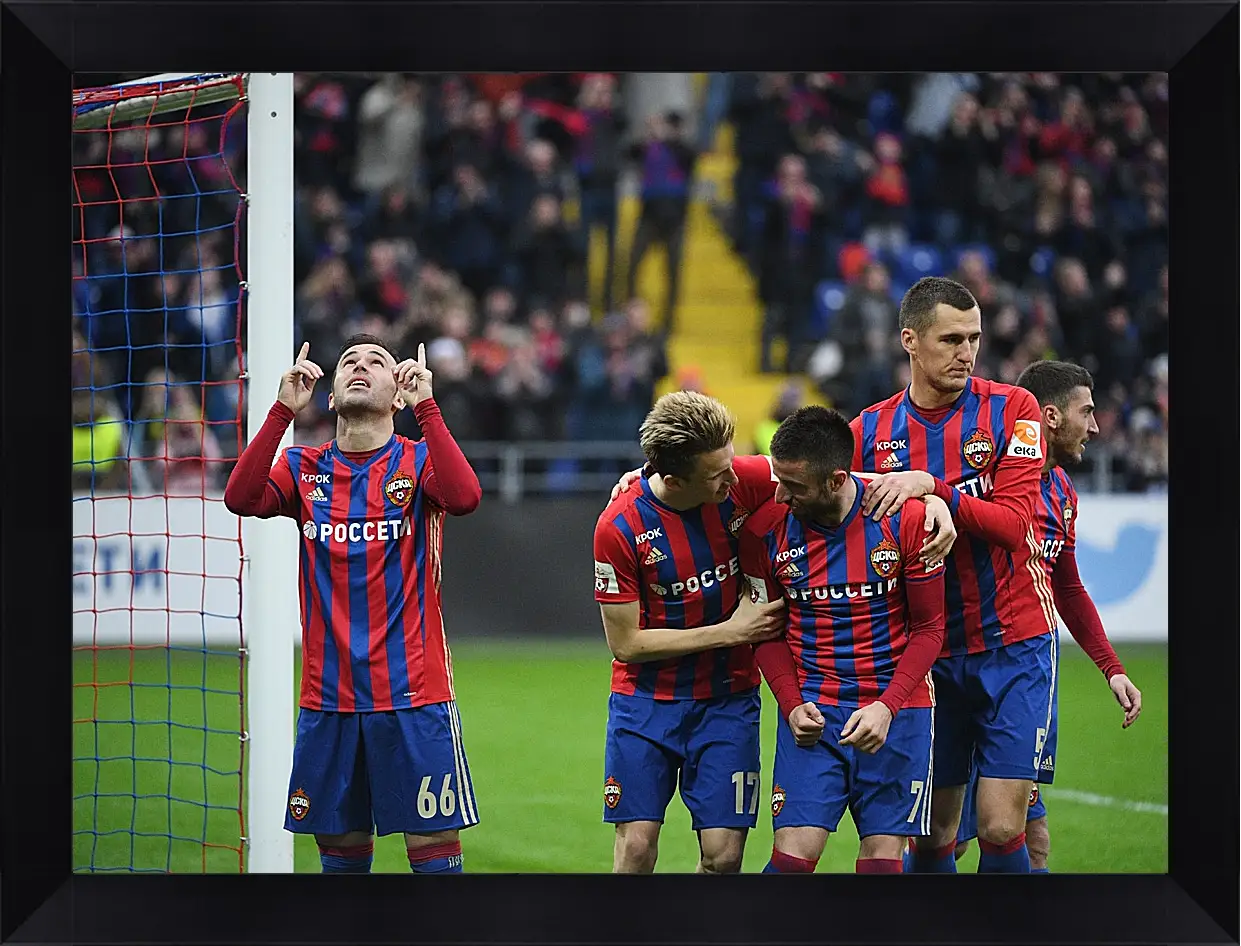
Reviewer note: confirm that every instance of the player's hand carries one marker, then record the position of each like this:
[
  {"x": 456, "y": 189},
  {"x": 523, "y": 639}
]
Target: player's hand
[
  {"x": 941, "y": 533},
  {"x": 1128, "y": 696},
  {"x": 885, "y": 494},
  {"x": 807, "y": 724},
  {"x": 297, "y": 385},
  {"x": 867, "y": 728},
  {"x": 413, "y": 378},
  {"x": 625, "y": 482},
  {"x": 753, "y": 623}
]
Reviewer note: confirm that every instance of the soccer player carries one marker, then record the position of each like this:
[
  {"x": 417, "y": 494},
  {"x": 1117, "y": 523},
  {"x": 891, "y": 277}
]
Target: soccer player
[
  {"x": 684, "y": 705},
  {"x": 1065, "y": 396},
  {"x": 379, "y": 744},
  {"x": 852, "y": 675},
  {"x": 979, "y": 446}
]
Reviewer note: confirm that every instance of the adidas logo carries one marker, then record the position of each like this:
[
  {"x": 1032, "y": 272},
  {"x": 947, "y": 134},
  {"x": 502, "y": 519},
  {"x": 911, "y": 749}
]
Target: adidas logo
[
  {"x": 655, "y": 556},
  {"x": 893, "y": 462},
  {"x": 317, "y": 495},
  {"x": 790, "y": 571},
  {"x": 1048, "y": 764}
]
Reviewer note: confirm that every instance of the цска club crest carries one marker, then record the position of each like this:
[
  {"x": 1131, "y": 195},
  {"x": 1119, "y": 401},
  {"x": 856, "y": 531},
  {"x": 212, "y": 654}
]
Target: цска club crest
[{"x": 399, "y": 489}]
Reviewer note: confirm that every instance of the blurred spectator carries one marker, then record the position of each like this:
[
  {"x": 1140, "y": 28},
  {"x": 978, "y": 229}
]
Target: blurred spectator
[
  {"x": 549, "y": 258},
  {"x": 667, "y": 165},
  {"x": 791, "y": 397},
  {"x": 887, "y": 188},
  {"x": 597, "y": 164},
  {"x": 792, "y": 254},
  {"x": 99, "y": 456},
  {"x": 390, "y": 126},
  {"x": 468, "y": 222}
]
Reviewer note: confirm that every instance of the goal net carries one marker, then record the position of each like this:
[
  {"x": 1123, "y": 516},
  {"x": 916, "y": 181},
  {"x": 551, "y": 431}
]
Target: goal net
[{"x": 159, "y": 364}]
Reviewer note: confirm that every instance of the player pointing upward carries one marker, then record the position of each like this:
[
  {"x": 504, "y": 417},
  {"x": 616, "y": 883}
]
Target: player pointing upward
[{"x": 378, "y": 736}]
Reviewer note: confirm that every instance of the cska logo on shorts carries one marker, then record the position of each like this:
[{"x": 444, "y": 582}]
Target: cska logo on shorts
[
  {"x": 885, "y": 559},
  {"x": 299, "y": 805},
  {"x": 777, "y": 800},
  {"x": 978, "y": 450},
  {"x": 611, "y": 792},
  {"x": 1033, "y": 796},
  {"x": 399, "y": 489}
]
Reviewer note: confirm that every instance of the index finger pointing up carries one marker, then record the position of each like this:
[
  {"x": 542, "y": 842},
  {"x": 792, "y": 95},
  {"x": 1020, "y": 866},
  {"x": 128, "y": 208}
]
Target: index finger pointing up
[
  {"x": 301, "y": 355},
  {"x": 422, "y": 355}
]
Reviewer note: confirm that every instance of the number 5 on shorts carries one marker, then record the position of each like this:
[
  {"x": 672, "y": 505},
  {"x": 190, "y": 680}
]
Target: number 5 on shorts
[
  {"x": 742, "y": 781},
  {"x": 427, "y": 802}
]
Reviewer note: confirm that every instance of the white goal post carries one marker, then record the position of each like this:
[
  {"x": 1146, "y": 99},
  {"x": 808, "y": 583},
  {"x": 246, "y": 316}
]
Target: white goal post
[{"x": 269, "y": 595}]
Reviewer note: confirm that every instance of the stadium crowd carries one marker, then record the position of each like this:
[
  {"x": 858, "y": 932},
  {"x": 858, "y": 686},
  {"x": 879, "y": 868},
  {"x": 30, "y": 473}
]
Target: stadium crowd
[{"x": 453, "y": 211}]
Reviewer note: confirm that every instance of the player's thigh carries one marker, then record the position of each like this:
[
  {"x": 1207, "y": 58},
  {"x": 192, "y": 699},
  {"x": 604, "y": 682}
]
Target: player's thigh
[
  {"x": 1015, "y": 709},
  {"x": 721, "y": 779},
  {"x": 329, "y": 792},
  {"x": 420, "y": 779},
  {"x": 953, "y": 717},
  {"x": 891, "y": 790},
  {"x": 643, "y": 752},
  {"x": 810, "y": 784}
]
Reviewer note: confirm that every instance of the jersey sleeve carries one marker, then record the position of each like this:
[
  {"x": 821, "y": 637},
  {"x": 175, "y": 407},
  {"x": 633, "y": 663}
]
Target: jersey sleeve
[
  {"x": 754, "y": 556},
  {"x": 855, "y": 426},
  {"x": 449, "y": 480},
  {"x": 910, "y": 537},
  {"x": 756, "y": 482},
  {"x": 926, "y": 618},
  {"x": 257, "y": 487},
  {"x": 1005, "y": 518},
  {"x": 616, "y": 566}
]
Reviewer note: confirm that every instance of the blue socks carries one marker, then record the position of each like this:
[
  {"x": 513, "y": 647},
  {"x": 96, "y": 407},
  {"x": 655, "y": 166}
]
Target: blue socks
[
  {"x": 1010, "y": 858},
  {"x": 436, "y": 858},
  {"x": 347, "y": 860}
]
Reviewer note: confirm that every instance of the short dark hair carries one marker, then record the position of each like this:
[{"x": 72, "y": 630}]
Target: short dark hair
[
  {"x": 817, "y": 435},
  {"x": 363, "y": 338},
  {"x": 918, "y": 306},
  {"x": 1051, "y": 382}
]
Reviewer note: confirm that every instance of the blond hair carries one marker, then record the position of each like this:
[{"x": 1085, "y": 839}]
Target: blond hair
[{"x": 681, "y": 427}]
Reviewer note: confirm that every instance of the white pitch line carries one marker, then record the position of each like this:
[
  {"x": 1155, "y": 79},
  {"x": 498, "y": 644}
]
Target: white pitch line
[{"x": 1105, "y": 801}]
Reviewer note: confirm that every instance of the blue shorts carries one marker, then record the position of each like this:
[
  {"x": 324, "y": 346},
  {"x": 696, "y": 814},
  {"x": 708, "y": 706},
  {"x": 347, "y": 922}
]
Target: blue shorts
[
  {"x": 888, "y": 792},
  {"x": 400, "y": 771},
  {"x": 968, "y": 829},
  {"x": 711, "y": 746},
  {"x": 996, "y": 711}
]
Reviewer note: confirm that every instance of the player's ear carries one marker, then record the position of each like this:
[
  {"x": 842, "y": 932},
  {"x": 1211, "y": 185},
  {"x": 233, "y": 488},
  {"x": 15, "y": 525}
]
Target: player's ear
[
  {"x": 1051, "y": 417},
  {"x": 331, "y": 401},
  {"x": 909, "y": 340}
]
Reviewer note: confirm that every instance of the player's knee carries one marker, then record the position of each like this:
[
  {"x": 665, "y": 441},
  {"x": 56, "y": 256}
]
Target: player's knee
[
  {"x": 1000, "y": 827},
  {"x": 635, "y": 851},
  {"x": 721, "y": 861},
  {"x": 348, "y": 839}
]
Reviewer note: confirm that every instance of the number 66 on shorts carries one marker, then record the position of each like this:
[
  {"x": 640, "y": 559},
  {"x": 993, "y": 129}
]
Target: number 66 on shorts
[{"x": 407, "y": 772}]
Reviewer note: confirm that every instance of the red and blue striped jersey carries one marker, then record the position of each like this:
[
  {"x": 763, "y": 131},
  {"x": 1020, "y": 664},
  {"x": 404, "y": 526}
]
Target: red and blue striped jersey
[
  {"x": 369, "y": 577},
  {"x": 989, "y": 446},
  {"x": 682, "y": 567},
  {"x": 1054, "y": 532},
  {"x": 848, "y": 612}
]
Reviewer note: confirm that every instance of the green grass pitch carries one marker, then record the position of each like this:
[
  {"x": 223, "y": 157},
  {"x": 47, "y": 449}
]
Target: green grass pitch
[{"x": 533, "y": 714}]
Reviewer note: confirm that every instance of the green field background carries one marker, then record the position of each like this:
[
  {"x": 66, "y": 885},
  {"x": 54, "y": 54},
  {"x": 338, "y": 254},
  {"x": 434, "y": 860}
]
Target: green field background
[{"x": 156, "y": 758}]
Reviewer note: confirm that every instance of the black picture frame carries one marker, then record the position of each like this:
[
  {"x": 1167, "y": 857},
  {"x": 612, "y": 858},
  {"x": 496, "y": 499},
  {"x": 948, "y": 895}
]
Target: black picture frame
[{"x": 40, "y": 44}]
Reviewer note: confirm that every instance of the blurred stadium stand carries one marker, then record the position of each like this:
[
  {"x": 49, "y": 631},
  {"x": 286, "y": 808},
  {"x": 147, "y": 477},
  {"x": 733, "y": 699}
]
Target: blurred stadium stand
[{"x": 494, "y": 217}]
